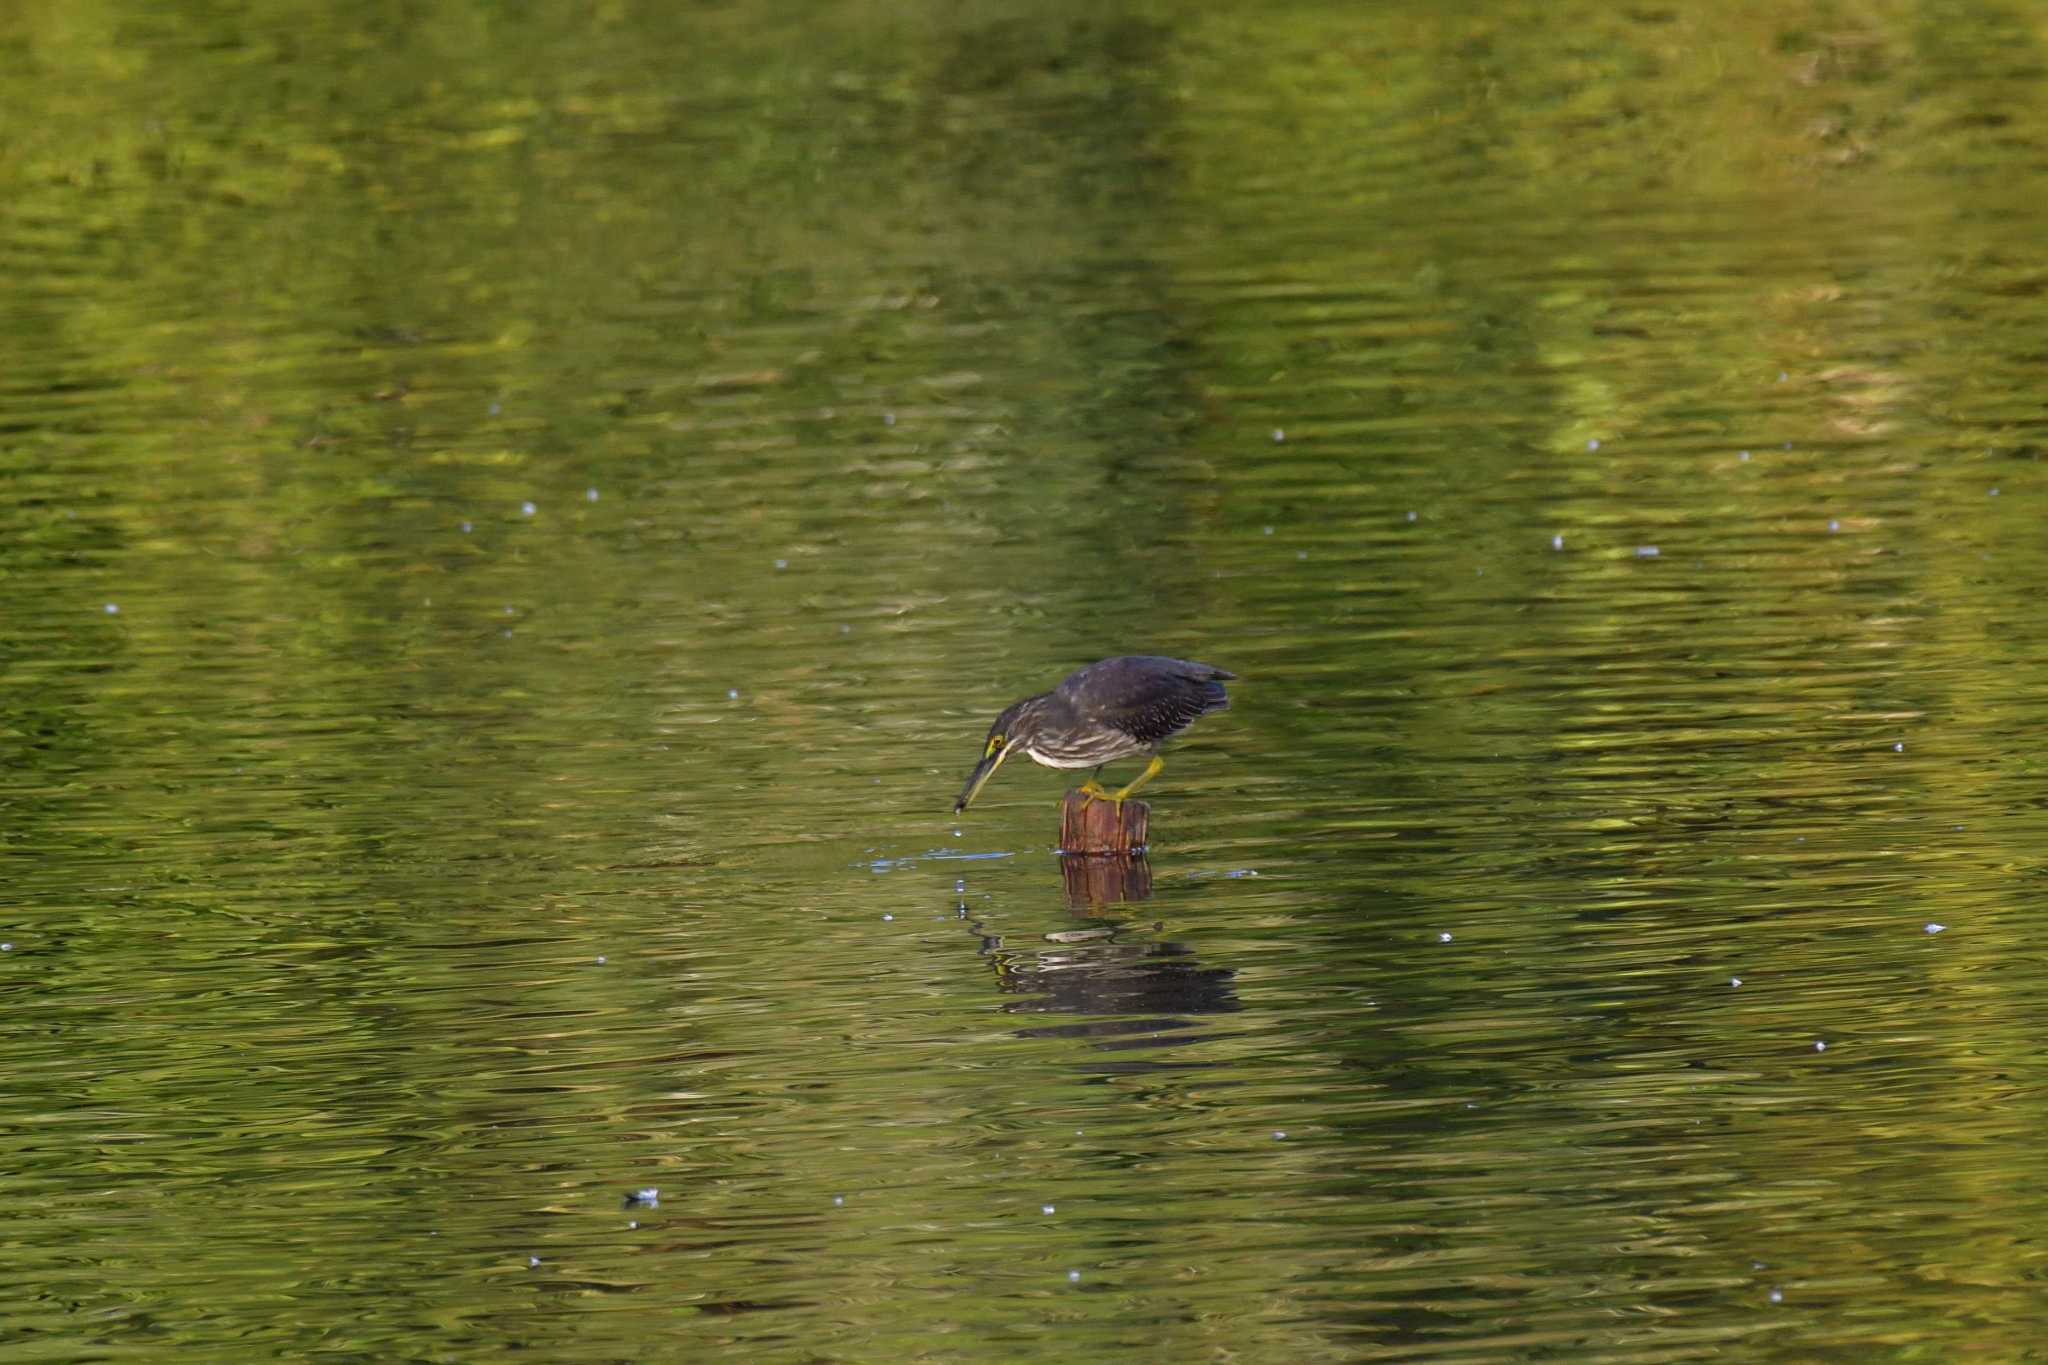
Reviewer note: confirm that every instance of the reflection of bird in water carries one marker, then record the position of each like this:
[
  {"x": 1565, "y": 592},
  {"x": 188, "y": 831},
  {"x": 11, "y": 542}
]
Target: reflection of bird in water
[
  {"x": 1118, "y": 708},
  {"x": 1127, "y": 994},
  {"x": 1139, "y": 981}
]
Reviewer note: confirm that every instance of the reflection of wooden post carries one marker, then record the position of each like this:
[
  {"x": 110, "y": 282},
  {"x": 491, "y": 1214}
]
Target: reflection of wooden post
[
  {"x": 1105, "y": 879},
  {"x": 1102, "y": 826}
]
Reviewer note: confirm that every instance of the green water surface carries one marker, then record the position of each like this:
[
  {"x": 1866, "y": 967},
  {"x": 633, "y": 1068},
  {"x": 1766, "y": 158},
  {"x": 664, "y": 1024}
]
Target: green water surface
[{"x": 515, "y": 518}]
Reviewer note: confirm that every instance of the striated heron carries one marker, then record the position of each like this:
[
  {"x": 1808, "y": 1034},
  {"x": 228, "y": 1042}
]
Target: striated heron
[{"x": 1118, "y": 708}]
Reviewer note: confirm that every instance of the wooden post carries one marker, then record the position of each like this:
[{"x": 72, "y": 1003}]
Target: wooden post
[{"x": 1102, "y": 826}]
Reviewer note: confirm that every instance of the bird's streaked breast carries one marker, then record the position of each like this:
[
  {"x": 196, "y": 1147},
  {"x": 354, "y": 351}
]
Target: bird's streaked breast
[{"x": 1100, "y": 746}]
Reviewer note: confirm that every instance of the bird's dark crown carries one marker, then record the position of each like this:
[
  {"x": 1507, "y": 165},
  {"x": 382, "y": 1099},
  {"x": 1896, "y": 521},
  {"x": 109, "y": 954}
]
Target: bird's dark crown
[{"x": 1018, "y": 723}]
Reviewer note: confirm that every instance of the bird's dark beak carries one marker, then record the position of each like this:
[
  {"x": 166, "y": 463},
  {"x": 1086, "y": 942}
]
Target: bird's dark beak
[{"x": 977, "y": 779}]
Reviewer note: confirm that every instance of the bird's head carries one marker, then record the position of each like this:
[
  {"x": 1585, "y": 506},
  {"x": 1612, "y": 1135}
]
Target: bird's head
[{"x": 1013, "y": 729}]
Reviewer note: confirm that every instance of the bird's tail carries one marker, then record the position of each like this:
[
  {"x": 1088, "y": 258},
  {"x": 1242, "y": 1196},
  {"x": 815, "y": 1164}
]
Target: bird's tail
[{"x": 1214, "y": 698}]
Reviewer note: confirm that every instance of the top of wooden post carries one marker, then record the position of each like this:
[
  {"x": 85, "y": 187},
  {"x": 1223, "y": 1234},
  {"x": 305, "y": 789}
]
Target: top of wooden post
[{"x": 1100, "y": 826}]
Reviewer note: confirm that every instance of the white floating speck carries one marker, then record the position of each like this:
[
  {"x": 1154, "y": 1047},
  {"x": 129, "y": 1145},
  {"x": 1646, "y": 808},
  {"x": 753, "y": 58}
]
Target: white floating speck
[
  {"x": 532, "y": 1261},
  {"x": 845, "y": 629},
  {"x": 732, "y": 694},
  {"x": 1278, "y": 436},
  {"x": 632, "y": 1224},
  {"x": 781, "y": 563},
  {"x": 1743, "y": 456},
  {"x": 1900, "y": 747},
  {"x": 1735, "y": 981},
  {"x": 1074, "y": 1277},
  {"x": 467, "y": 528},
  {"x": 1593, "y": 443},
  {"x": 1047, "y": 1209},
  {"x": 1930, "y": 927},
  {"x": 1444, "y": 937},
  {"x": 956, "y": 834},
  {"x": 1268, "y": 530},
  {"x": 647, "y": 1195},
  {"x": 1414, "y": 516},
  {"x": 838, "y": 1201},
  {"x": 527, "y": 508},
  {"x": 1777, "y": 1296},
  {"x": 1820, "y": 1047},
  {"x": 495, "y": 409},
  {"x": 6, "y": 947},
  {"x": 1301, "y": 554},
  {"x": 960, "y": 885},
  {"x": 600, "y": 959},
  {"x": 1646, "y": 552},
  {"x": 1279, "y": 1135},
  {"x": 112, "y": 609},
  {"x": 888, "y": 917},
  {"x": 1557, "y": 542},
  {"x": 1834, "y": 525},
  {"x": 888, "y": 419},
  {"x": 1994, "y": 492},
  {"x": 1783, "y": 376},
  {"x": 590, "y": 495}
]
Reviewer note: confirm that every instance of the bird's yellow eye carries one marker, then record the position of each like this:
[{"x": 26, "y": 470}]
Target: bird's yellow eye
[{"x": 995, "y": 742}]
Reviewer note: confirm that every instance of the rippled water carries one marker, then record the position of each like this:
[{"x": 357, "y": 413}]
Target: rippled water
[{"x": 516, "y": 523}]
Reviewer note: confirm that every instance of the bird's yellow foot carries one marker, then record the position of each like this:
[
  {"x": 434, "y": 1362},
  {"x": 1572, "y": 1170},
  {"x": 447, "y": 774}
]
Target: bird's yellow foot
[
  {"x": 1092, "y": 791},
  {"x": 1151, "y": 771}
]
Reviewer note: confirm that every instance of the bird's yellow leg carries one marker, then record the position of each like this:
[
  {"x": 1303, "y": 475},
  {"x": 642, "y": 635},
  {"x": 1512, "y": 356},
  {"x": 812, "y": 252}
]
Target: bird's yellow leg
[
  {"x": 1093, "y": 790},
  {"x": 1151, "y": 771}
]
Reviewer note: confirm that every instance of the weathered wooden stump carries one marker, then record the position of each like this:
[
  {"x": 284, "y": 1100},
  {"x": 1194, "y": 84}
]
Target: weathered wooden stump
[{"x": 1102, "y": 826}]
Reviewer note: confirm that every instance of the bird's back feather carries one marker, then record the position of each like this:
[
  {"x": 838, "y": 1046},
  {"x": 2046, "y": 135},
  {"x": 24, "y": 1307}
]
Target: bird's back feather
[{"x": 1148, "y": 697}]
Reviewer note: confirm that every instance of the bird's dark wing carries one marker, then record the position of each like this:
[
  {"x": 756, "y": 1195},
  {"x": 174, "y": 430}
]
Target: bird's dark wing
[{"x": 1145, "y": 696}]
